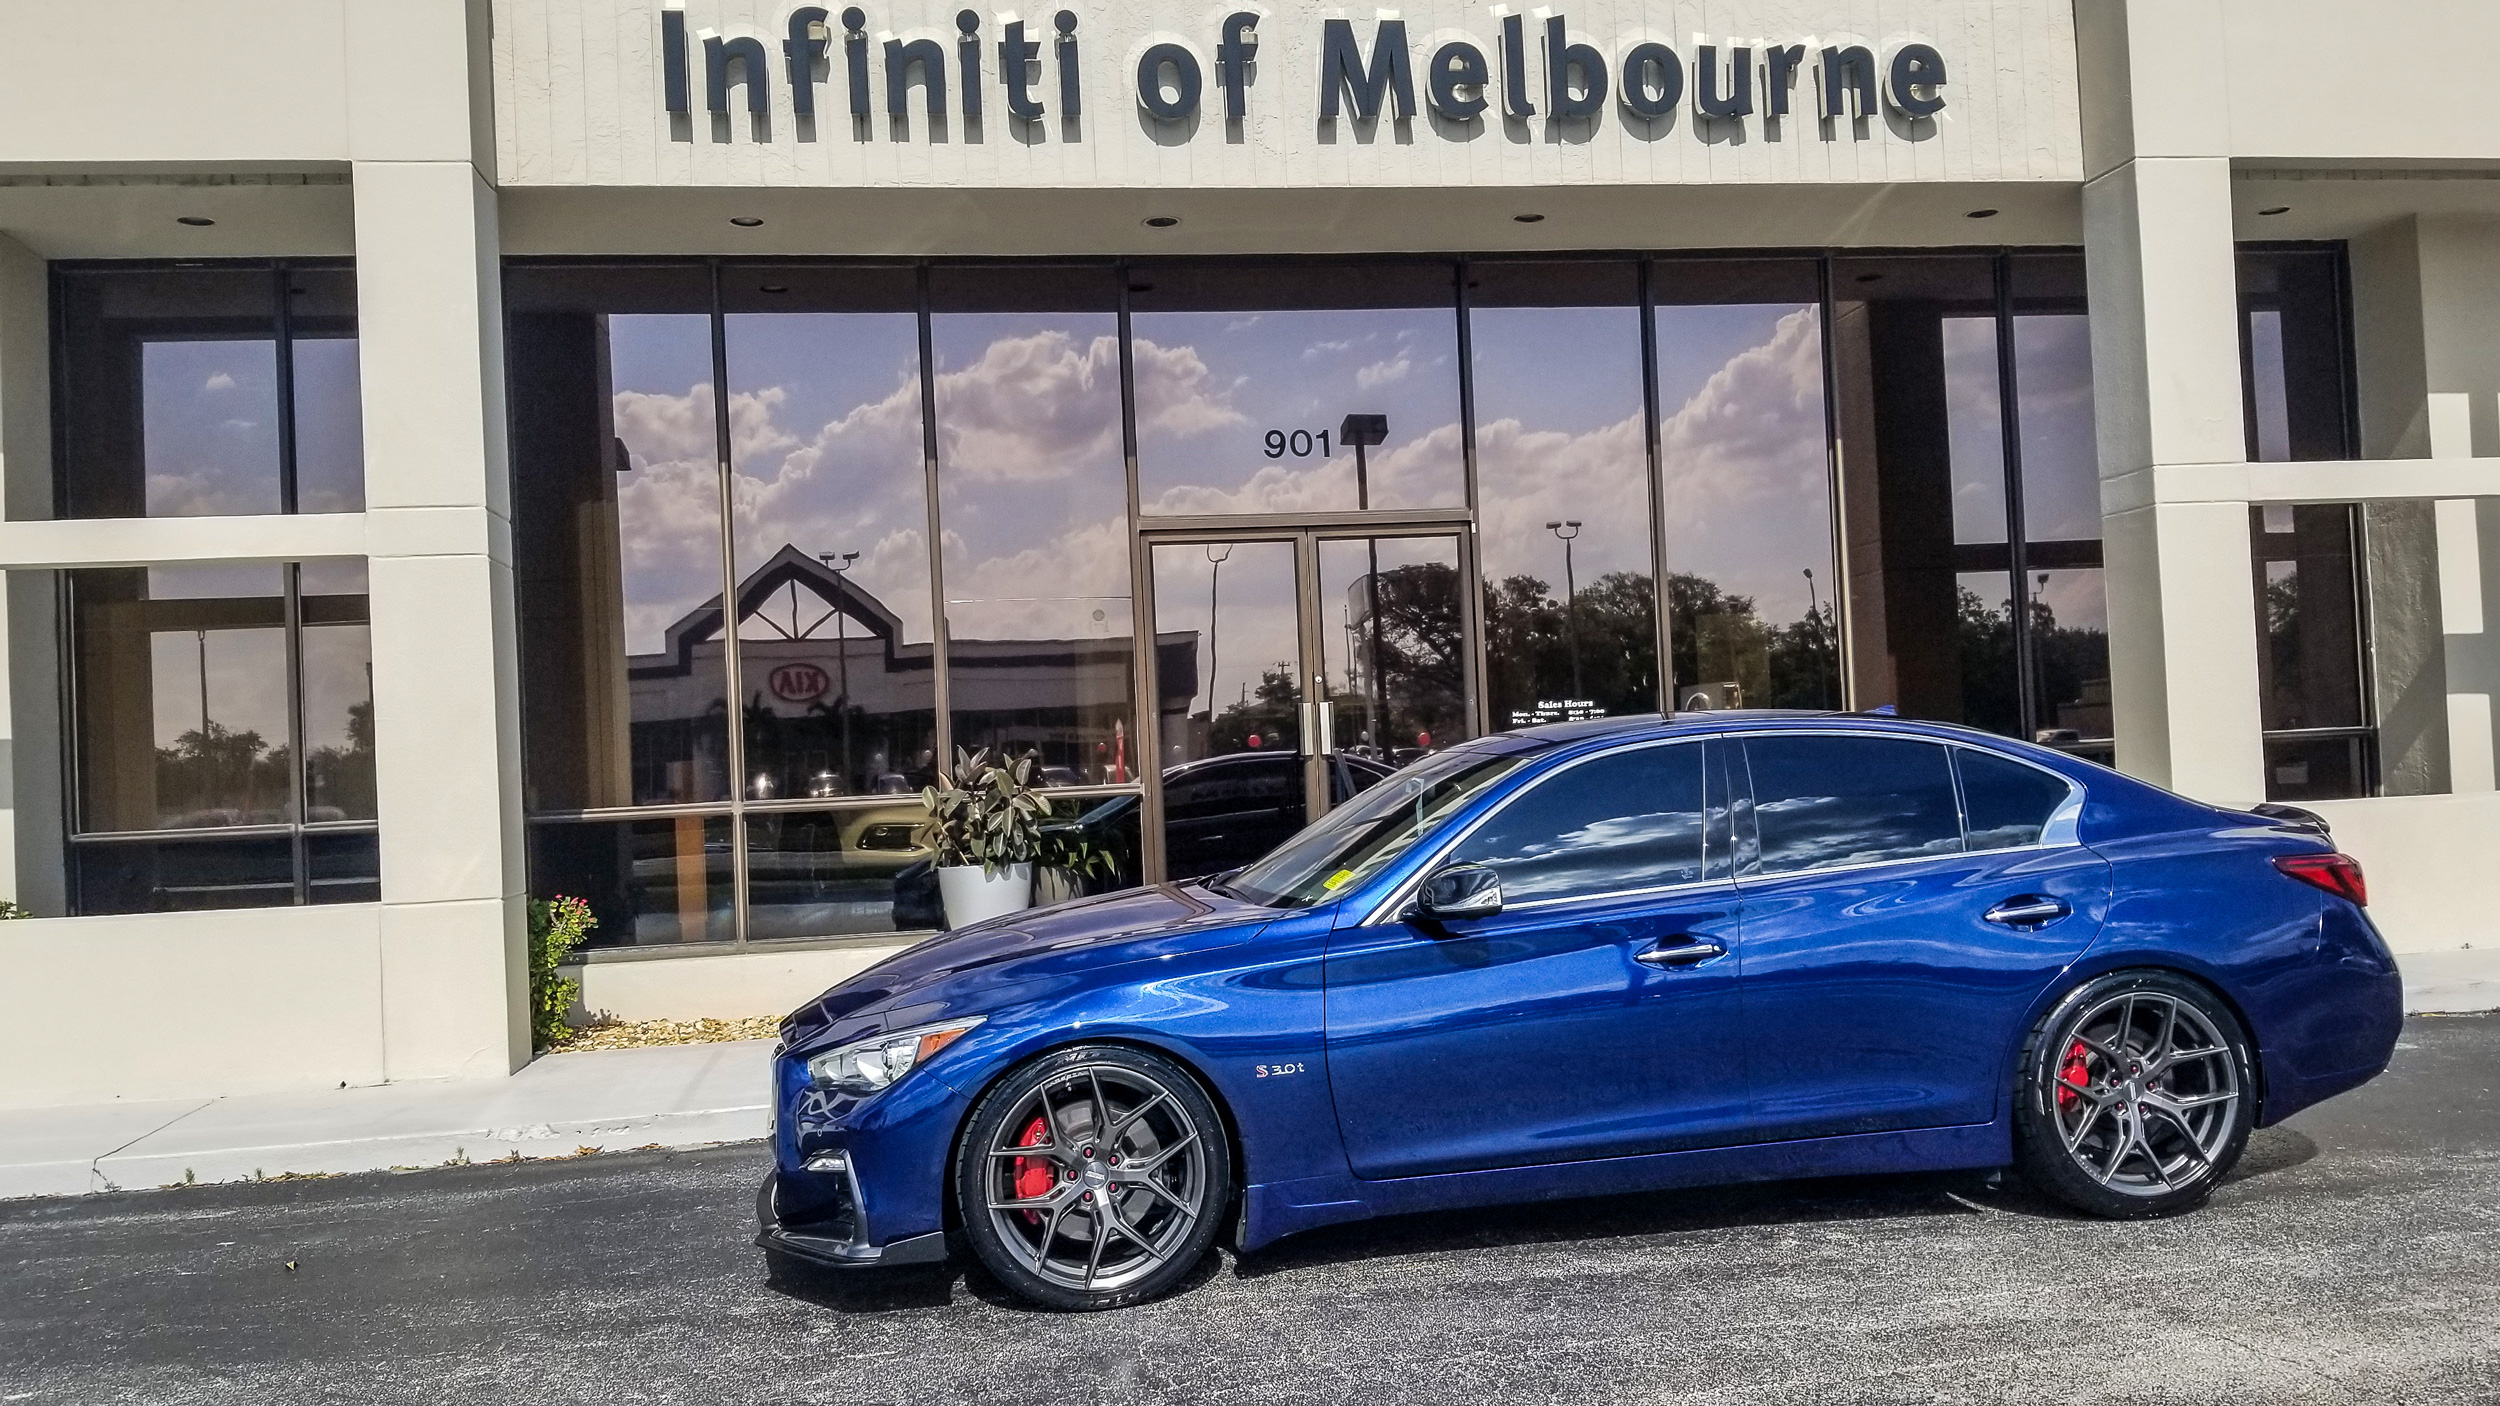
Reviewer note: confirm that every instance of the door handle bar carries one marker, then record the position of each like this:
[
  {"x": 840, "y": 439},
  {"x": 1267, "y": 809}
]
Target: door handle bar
[
  {"x": 1684, "y": 955},
  {"x": 2014, "y": 912}
]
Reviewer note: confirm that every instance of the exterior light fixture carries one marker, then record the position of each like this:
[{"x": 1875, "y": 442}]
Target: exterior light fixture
[
  {"x": 2276, "y": 210},
  {"x": 1870, "y": 278},
  {"x": 194, "y": 221},
  {"x": 1988, "y": 214},
  {"x": 1162, "y": 221},
  {"x": 1527, "y": 219},
  {"x": 772, "y": 288},
  {"x": 745, "y": 221}
]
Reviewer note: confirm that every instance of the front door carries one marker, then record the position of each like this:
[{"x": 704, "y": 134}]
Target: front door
[
  {"x": 1294, "y": 667},
  {"x": 1597, "y": 1014}
]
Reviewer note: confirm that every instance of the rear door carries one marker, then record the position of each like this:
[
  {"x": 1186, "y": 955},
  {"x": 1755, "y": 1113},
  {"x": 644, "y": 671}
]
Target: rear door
[{"x": 1905, "y": 902}]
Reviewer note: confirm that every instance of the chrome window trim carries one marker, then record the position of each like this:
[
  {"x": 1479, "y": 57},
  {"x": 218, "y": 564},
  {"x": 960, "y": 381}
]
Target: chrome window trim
[
  {"x": 2063, "y": 830},
  {"x": 1385, "y": 911}
]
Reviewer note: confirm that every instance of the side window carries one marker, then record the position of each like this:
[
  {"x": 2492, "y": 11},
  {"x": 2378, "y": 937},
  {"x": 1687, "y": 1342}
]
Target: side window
[
  {"x": 1825, "y": 801},
  {"x": 1629, "y": 821},
  {"x": 2006, "y": 803}
]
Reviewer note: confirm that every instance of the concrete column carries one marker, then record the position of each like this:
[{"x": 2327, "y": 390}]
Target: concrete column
[
  {"x": 445, "y": 661},
  {"x": 2166, "y": 392},
  {"x": 32, "y": 862}
]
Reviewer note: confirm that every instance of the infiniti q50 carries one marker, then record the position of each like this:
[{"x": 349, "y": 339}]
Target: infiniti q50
[{"x": 1590, "y": 959}]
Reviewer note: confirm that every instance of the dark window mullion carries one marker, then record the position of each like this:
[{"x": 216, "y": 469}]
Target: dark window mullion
[
  {"x": 283, "y": 282},
  {"x": 2009, "y": 423},
  {"x": 298, "y": 762}
]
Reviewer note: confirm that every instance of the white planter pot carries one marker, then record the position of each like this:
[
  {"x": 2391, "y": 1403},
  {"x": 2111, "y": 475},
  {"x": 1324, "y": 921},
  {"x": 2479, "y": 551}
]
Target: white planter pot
[{"x": 972, "y": 895}]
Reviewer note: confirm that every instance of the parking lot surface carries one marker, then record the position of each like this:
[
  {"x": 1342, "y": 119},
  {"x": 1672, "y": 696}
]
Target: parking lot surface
[{"x": 2354, "y": 1257}]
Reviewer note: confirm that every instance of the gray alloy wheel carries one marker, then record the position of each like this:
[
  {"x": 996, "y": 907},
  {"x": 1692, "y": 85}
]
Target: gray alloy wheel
[
  {"x": 2139, "y": 1099},
  {"x": 1094, "y": 1178}
]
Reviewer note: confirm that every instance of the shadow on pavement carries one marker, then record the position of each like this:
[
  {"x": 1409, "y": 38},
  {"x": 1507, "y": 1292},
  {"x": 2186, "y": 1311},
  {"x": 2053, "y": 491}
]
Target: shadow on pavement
[{"x": 1970, "y": 1193}]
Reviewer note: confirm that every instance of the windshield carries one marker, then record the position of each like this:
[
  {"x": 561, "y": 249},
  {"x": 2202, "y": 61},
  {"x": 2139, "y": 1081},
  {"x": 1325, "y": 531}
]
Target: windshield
[{"x": 1367, "y": 834}]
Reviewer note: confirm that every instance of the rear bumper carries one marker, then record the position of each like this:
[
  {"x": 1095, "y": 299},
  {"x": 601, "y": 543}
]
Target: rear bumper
[{"x": 834, "y": 1241}]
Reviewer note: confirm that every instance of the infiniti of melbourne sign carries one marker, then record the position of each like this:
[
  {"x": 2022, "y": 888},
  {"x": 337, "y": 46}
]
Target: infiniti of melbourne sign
[{"x": 1139, "y": 92}]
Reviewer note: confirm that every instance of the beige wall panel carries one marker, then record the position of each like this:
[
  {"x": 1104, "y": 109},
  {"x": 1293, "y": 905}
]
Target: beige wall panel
[
  {"x": 136, "y": 81},
  {"x": 178, "y": 1005},
  {"x": 2328, "y": 80}
]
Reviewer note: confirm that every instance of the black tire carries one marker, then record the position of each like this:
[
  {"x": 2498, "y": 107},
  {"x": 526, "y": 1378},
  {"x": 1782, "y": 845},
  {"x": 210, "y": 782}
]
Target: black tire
[
  {"x": 1070, "y": 1218},
  {"x": 2134, "y": 1097}
]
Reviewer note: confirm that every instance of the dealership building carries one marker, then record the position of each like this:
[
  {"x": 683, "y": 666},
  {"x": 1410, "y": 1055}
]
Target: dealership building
[{"x": 462, "y": 453}]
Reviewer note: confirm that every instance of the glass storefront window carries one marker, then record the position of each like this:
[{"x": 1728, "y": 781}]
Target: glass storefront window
[
  {"x": 228, "y": 707},
  {"x": 829, "y": 531},
  {"x": 2313, "y": 620},
  {"x": 1744, "y": 470},
  {"x": 220, "y": 390},
  {"x": 1562, "y": 486},
  {"x": 1033, "y": 489},
  {"x": 617, "y": 507},
  {"x": 1244, "y": 376},
  {"x": 666, "y": 880}
]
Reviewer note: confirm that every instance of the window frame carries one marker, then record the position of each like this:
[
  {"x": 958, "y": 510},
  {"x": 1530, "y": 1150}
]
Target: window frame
[
  {"x": 1389, "y": 908},
  {"x": 298, "y": 832},
  {"x": 281, "y": 272},
  {"x": 2063, "y": 831}
]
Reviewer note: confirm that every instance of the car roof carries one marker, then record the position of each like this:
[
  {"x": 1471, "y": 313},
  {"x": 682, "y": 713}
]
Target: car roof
[{"x": 1586, "y": 728}]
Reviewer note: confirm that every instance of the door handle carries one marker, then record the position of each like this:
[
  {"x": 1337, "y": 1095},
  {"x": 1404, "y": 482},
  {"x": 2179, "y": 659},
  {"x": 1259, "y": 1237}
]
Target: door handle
[
  {"x": 1686, "y": 953},
  {"x": 2030, "y": 910}
]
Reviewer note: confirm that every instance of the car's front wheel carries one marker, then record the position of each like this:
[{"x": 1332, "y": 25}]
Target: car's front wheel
[
  {"x": 1093, "y": 1177},
  {"x": 2136, "y": 1096}
]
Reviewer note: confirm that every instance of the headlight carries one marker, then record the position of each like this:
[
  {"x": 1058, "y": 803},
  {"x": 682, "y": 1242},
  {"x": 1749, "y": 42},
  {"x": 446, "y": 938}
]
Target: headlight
[{"x": 871, "y": 1064}]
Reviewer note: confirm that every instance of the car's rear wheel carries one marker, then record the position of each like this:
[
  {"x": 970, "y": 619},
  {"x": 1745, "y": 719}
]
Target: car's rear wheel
[
  {"x": 2136, "y": 1096},
  {"x": 1093, "y": 1177}
]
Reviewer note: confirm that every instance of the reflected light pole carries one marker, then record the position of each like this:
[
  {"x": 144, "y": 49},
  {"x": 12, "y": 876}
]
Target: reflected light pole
[
  {"x": 1814, "y": 612},
  {"x": 1215, "y": 575},
  {"x": 841, "y": 650},
  {"x": 1571, "y": 600},
  {"x": 202, "y": 636},
  {"x": 1363, "y": 431}
]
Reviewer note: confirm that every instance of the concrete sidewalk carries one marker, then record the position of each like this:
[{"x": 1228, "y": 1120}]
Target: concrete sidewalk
[{"x": 671, "y": 1095}]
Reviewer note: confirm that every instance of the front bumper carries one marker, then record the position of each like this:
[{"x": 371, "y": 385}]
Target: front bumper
[{"x": 833, "y": 1240}]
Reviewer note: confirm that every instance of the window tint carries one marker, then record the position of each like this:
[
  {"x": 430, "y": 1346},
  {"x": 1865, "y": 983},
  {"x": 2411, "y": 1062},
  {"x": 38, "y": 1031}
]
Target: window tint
[
  {"x": 2006, "y": 803},
  {"x": 1823, "y": 801},
  {"x": 1626, "y": 822}
]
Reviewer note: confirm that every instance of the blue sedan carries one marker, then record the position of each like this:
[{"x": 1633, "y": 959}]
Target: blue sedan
[{"x": 1591, "y": 959}]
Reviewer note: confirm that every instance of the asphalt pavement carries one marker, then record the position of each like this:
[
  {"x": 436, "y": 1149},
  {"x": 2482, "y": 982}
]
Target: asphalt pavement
[{"x": 2354, "y": 1257}]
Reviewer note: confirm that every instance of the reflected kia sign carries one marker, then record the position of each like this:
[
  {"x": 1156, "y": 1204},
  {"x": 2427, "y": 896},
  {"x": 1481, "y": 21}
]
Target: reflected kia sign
[{"x": 799, "y": 683}]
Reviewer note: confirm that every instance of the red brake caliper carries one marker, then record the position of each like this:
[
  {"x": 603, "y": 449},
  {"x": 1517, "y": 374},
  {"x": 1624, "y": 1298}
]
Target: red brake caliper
[
  {"x": 1033, "y": 1176},
  {"x": 2071, "y": 1078}
]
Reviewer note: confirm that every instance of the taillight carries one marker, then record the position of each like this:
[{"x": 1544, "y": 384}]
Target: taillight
[{"x": 2338, "y": 874}]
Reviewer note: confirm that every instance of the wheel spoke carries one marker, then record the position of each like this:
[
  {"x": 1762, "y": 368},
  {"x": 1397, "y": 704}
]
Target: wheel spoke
[
  {"x": 1159, "y": 1189},
  {"x": 1102, "y": 1111},
  {"x": 1130, "y": 1119},
  {"x": 2188, "y": 1134},
  {"x": 2118, "y": 1148},
  {"x": 1093, "y": 1256},
  {"x": 2091, "y": 1116},
  {"x": 1155, "y": 1163},
  {"x": 2169, "y": 1032}
]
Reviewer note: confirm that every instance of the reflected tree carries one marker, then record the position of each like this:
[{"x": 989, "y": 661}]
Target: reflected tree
[
  {"x": 1528, "y": 649},
  {"x": 217, "y": 775}
]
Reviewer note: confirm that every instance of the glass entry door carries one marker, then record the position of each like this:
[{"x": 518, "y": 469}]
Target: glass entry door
[{"x": 1295, "y": 667}]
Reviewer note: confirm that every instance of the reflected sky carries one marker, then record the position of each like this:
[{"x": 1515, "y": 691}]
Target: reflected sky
[
  {"x": 1745, "y": 469},
  {"x": 668, "y": 504},
  {"x": 2053, "y": 400},
  {"x": 825, "y": 431},
  {"x": 209, "y": 422},
  {"x": 1560, "y": 434},
  {"x": 1032, "y": 490},
  {"x": 329, "y": 426},
  {"x": 1211, "y": 386}
]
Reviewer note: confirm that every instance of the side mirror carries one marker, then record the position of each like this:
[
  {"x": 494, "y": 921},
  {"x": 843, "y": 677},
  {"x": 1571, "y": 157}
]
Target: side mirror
[{"x": 1461, "y": 891}]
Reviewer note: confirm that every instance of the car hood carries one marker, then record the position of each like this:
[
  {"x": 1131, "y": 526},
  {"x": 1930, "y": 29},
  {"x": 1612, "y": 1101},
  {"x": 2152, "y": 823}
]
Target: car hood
[{"x": 1110, "y": 928}]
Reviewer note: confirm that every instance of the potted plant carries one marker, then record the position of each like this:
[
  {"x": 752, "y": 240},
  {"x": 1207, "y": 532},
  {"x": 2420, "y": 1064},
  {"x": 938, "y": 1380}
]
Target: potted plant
[{"x": 986, "y": 820}]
